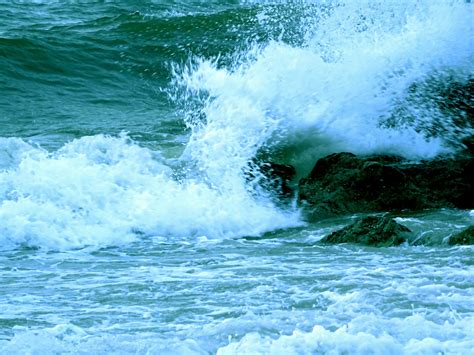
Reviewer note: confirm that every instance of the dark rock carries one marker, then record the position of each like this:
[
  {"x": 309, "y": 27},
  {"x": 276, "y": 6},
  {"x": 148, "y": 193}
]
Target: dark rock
[
  {"x": 466, "y": 237},
  {"x": 448, "y": 102},
  {"x": 273, "y": 177},
  {"x": 468, "y": 143},
  {"x": 343, "y": 183},
  {"x": 371, "y": 231}
]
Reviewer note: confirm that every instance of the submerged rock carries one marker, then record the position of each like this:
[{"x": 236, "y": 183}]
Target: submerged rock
[
  {"x": 466, "y": 237},
  {"x": 344, "y": 183},
  {"x": 371, "y": 231}
]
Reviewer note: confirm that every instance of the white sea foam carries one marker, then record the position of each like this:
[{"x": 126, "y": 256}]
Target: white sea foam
[
  {"x": 332, "y": 93},
  {"x": 366, "y": 335},
  {"x": 297, "y": 103},
  {"x": 101, "y": 190},
  {"x": 67, "y": 338}
]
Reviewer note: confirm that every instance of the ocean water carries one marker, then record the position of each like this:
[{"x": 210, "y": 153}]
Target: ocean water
[{"x": 128, "y": 223}]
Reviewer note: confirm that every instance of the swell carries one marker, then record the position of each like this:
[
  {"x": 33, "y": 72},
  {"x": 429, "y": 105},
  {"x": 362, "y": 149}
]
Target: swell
[
  {"x": 132, "y": 43},
  {"x": 71, "y": 49},
  {"x": 70, "y": 67}
]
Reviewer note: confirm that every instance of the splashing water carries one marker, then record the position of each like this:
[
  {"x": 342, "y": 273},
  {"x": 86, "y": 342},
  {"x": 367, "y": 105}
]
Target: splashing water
[
  {"x": 281, "y": 102},
  {"x": 102, "y": 191},
  {"x": 139, "y": 242},
  {"x": 334, "y": 92}
]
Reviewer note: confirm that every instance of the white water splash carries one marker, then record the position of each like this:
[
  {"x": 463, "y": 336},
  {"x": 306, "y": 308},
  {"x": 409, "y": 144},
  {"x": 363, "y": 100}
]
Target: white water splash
[
  {"x": 103, "y": 191},
  {"x": 332, "y": 93},
  {"x": 293, "y": 103}
]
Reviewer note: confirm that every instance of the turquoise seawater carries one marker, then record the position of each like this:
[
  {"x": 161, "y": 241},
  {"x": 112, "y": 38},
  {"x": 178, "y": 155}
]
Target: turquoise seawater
[{"x": 127, "y": 221}]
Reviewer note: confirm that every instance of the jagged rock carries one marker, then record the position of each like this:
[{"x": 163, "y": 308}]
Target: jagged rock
[
  {"x": 370, "y": 231},
  {"x": 343, "y": 183},
  {"x": 466, "y": 237}
]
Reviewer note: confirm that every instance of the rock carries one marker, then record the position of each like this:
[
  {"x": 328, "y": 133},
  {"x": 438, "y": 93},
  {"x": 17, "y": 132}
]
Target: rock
[
  {"x": 466, "y": 237},
  {"x": 273, "y": 177},
  {"x": 468, "y": 143},
  {"x": 343, "y": 183},
  {"x": 447, "y": 99},
  {"x": 370, "y": 231}
]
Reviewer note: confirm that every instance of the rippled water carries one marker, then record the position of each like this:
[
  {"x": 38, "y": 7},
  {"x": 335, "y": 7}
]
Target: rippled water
[
  {"x": 127, "y": 223},
  {"x": 280, "y": 292}
]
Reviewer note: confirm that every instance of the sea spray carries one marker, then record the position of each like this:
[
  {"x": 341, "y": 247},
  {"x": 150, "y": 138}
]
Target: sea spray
[
  {"x": 170, "y": 267},
  {"x": 278, "y": 101},
  {"x": 337, "y": 91},
  {"x": 106, "y": 191}
]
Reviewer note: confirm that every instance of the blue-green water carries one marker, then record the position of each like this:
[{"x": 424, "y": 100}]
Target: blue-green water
[{"x": 127, "y": 223}]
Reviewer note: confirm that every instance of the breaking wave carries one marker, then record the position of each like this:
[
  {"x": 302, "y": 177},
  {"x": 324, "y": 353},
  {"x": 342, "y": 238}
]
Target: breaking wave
[{"x": 361, "y": 79}]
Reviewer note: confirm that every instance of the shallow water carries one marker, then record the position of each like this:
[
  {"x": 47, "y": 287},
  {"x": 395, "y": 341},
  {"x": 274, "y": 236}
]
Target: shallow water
[
  {"x": 280, "y": 292},
  {"x": 127, "y": 221}
]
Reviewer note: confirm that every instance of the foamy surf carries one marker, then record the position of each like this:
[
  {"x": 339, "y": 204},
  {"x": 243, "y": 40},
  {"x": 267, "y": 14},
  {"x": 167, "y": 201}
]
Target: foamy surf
[
  {"x": 365, "y": 335},
  {"x": 104, "y": 191},
  {"x": 336, "y": 92},
  {"x": 155, "y": 241}
]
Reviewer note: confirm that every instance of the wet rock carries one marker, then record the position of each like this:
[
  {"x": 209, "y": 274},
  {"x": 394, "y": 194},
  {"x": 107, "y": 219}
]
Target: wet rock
[
  {"x": 273, "y": 177},
  {"x": 466, "y": 237},
  {"x": 468, "y": 143},
  {"x": 371, "y": 231},
  {"x": 447, "y": 99},
  {"x": 343, "y": 183}
]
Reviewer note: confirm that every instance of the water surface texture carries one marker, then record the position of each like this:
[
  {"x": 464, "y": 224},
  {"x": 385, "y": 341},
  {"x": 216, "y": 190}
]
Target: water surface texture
[{"x": 128, "y": 223}]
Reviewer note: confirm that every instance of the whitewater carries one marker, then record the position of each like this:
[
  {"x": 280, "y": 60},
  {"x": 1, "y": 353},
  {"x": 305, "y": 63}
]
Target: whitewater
[{"x": 129, "y": 223}]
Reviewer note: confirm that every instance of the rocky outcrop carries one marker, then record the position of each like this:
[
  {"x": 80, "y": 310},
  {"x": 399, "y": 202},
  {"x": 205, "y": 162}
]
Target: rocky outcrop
[
  {"x": 371, "y": 231},
  {"x": 344, "y": 183},
  {"x": 466, "y": 237}
]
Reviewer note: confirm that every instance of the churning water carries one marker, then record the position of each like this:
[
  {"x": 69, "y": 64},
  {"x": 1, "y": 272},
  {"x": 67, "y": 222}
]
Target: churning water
[{"x": 127, "y": 221}]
